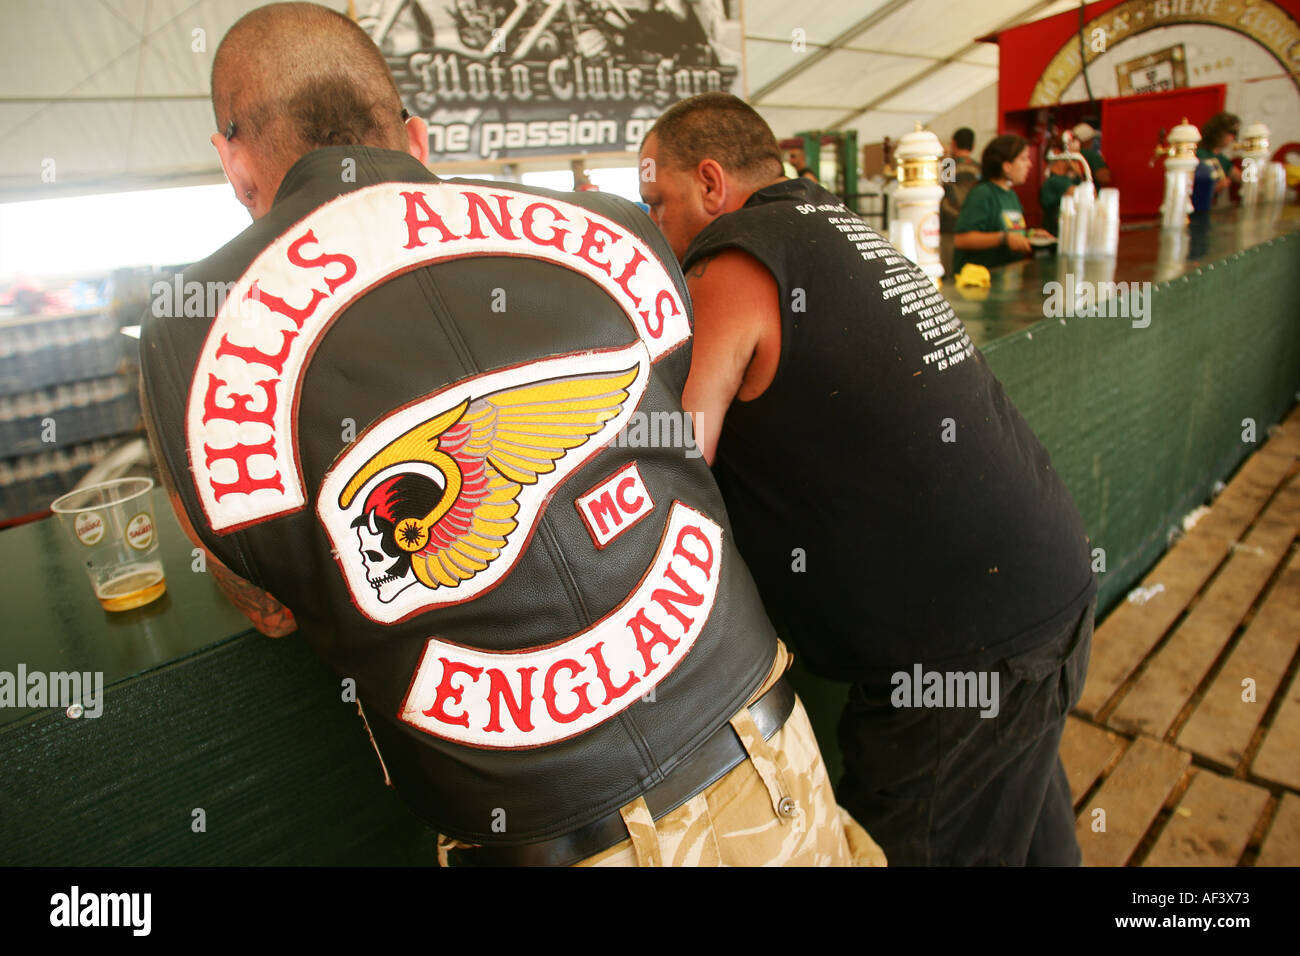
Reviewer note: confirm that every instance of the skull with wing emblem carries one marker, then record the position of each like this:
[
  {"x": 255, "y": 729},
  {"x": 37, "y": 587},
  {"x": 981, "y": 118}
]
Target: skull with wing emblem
[{"x": 442, "y": 500}]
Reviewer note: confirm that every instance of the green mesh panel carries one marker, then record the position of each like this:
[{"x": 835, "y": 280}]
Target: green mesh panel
[
  {"x": 253, "y": 731},
  {"x": 1141, "y": 423}
]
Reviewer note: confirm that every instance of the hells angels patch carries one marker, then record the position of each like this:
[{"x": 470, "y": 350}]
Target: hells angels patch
[
  {"x": 434, "y": 504},
  {"x": 241, "y": 427}
]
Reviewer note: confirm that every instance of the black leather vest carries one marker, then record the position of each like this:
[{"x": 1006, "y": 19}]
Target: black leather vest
[{"x": 440, "y": 421}]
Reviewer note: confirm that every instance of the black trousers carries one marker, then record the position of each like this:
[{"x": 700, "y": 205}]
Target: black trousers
[{"x": 943, "y": 786}]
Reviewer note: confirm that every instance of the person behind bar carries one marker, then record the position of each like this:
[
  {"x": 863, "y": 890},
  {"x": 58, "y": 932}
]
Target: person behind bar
[
  {"x": 399, "y": 436},
  {"x": 1089, "y": 149},
  {"x": 990, "y": 229},
  {"x": 965, "y": 174},
  {"x": 1061, "y": 179},
  {"x": 899, "y": 515},
  {"x": 1217, "y": 137}
]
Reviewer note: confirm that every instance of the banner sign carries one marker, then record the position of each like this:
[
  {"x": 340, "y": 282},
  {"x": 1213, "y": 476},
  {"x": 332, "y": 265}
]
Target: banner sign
[{"x": 507, "y": 79}]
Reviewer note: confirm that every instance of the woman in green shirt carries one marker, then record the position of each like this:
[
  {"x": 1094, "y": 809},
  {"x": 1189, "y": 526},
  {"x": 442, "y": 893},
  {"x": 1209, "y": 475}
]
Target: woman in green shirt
[{"x": 990, "y": 229}]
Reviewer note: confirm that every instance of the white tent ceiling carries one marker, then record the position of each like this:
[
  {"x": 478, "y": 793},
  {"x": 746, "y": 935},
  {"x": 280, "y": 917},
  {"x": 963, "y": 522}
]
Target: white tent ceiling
[
  {"x": 875, "y": 66},
  {"x": 99, "y": 95}
]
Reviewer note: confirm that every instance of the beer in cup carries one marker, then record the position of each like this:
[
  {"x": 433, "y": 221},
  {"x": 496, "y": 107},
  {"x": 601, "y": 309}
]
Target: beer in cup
[{"x": 114, "y": 533}]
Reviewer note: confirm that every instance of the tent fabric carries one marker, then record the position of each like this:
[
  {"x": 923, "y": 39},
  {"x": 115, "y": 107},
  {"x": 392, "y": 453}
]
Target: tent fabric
[
  {"x": 876, "y": 66},
  {"x": 104, "y": 95}
]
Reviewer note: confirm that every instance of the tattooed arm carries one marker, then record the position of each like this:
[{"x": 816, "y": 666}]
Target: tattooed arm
[
  {"x": 737, "y": 339},
  {"x": 266, "y": 613}
]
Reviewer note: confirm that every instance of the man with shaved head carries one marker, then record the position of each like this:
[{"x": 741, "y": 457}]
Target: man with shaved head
[
  {"x": 291, "y": 78},
  {"x": 399, "y": 435},
  {"x": 897, "y": 511}
]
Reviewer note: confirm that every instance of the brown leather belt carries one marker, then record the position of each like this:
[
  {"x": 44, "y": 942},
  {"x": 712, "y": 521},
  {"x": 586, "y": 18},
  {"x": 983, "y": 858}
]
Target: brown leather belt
[{"x": 707, "y": 764}]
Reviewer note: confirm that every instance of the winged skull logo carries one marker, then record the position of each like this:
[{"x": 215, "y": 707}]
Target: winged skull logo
[{"x": 443, "y": 497}]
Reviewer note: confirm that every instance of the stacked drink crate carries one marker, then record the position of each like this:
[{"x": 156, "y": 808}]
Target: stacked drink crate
[{"x": 67, "y": 390}]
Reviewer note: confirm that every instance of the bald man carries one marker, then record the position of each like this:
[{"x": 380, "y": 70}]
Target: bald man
[{"x": 398, "y": 436}]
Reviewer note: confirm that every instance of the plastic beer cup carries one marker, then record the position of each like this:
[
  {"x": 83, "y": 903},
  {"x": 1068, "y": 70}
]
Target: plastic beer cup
[{"x": 114, "y": 533}]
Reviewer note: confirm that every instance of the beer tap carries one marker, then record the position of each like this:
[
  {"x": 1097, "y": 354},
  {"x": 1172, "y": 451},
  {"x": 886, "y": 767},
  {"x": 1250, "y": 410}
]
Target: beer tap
[
  {"x": 1179, "y": 154},
  {"x": 914, "y": 222},
  {"x": 1257, "y": 175}
]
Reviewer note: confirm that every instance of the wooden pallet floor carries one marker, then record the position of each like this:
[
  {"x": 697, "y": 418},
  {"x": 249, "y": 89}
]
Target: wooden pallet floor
[{"x": 1184, "y": 749}]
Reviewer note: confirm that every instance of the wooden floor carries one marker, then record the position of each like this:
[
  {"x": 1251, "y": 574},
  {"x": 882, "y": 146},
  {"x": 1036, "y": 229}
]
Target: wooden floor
[{"x": 1185, "y": 747}]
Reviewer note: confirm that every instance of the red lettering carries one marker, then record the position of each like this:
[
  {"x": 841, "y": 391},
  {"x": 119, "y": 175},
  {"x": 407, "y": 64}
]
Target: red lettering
[
  {"x": 621, "y": 493},
  {"x": 702, "y": 563},
  {"x": 247, "y": 353},
  {"x": 446, "y": 692},
  {"x": 612, "y": 693},
  {"x": 548, "y": 693},
  {"x": 245, "y": 484},
  {"x": 628, "y": 273},
  {"x": 277, "y": 304},
  {"x": 641, "y": 625},
  {"x": 499, "y": 689},
  {"x": 663, "y": 296},
  {"x": 591, "y": 243},
  {"x": 320, "y": 262},
  {"x": 669, "y": 600},
  {"x": 415, "y": 204},
  {"x": 238, "y": 410},
  {"x": 299, "y": 315},
  {"x": 602, "y": 506},
  {"x": 501, "y": 225},
  {"x": 557, "y": 235}
]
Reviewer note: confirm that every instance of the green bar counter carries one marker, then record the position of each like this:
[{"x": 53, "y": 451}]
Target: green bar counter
[{"x": 217, "y": 745}]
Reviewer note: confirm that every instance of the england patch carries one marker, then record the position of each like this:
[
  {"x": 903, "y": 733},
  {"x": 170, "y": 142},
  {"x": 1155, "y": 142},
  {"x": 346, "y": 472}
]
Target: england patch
[{"x": 546, "y": 694}]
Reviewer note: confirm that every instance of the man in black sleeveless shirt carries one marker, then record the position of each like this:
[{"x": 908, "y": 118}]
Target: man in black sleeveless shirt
[{"x": 896, "y": 510}]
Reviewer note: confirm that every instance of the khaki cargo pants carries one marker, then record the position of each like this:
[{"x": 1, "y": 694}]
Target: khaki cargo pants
[{"x": 774, "y": 809}]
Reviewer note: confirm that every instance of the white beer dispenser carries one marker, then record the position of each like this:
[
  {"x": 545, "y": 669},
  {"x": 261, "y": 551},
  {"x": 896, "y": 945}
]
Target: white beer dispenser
[
  {"x": 914, "y": 223},
  {"x": 1256, "y": 170},
  {"x": 1179, "y": 155}
]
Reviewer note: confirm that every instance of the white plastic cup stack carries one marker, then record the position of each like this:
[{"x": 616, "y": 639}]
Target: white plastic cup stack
[
  {"x": 1065, "y": 227},
  {"x": 1103, "y": 239},
  {"x": 1274, "y": 182},
  {"x": 1084, "y": 205}
]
